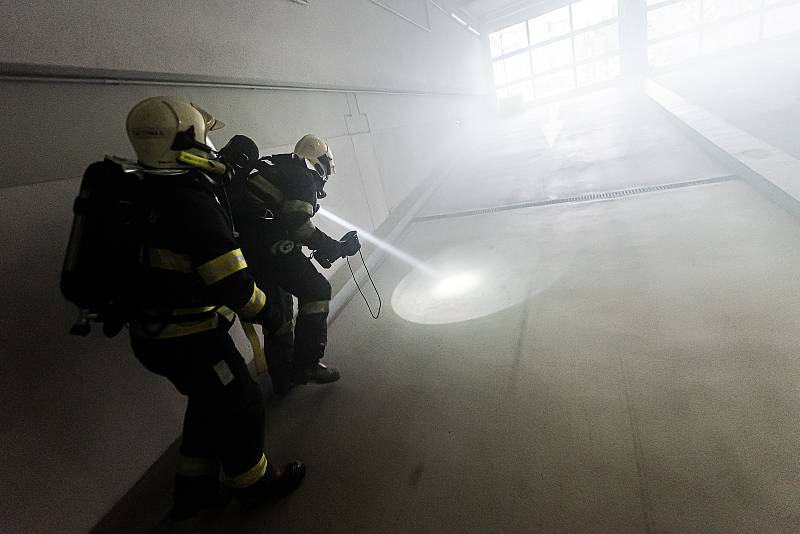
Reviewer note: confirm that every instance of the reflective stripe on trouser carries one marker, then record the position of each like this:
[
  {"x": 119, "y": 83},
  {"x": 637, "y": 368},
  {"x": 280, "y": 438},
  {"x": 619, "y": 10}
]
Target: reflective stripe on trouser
[
  {"x": 192, "y": 466},
  {"x": 249, "y": 477},
  {"x": 316, "y": 306},
  {"x": 224, "y": 418}
]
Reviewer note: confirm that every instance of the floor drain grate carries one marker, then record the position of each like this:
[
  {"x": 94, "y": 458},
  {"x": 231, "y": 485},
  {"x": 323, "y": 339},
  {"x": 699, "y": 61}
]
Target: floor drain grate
[{"x": 581, "y": 198}]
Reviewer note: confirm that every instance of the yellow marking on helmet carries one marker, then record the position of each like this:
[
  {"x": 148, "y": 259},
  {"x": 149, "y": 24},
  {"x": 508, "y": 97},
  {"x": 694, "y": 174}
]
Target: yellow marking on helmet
[{"x": 201, "y": 162}]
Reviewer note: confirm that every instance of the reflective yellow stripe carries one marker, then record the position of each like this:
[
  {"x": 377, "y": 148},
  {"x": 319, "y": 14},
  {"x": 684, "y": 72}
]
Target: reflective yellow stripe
[
  {"x": 162, "y": 258},
  {"x": 189, "y": 466},
  {"x": 256, "y": 303},
  {"x": 162, "y": 313},
  {"x": 160, "y": 331},
  {"x": 251, "y": 476},
  {"x": 305, "y": 230},
  {"x": 222, "y": 266},
  {"x": 259, "y": 359},
  {"x": 298, "y": 206},
  {"x": 316, "y": 306},
  {"x": 228, "y": 313},
  {"x": 265, "y": 187}
]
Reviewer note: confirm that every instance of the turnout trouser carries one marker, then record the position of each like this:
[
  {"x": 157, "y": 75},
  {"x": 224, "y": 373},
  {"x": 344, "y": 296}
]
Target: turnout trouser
[{"x": 224, "y": 419}]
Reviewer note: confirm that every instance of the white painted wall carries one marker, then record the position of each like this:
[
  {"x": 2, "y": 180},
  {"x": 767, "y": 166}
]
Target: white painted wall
[{"x": 80, "y": 419}]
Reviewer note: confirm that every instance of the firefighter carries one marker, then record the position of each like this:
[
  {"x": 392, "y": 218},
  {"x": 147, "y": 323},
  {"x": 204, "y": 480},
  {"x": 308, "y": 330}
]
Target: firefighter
[
  {"x": 273, "y": 208},
  {"x": 193, "y": 282}
]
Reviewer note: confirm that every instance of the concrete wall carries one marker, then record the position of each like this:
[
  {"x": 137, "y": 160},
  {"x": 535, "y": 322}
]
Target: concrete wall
[{"x": 80, "y": 419}]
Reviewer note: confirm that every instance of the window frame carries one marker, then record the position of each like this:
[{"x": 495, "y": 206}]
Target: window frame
[{"x": 573, "y": 65}]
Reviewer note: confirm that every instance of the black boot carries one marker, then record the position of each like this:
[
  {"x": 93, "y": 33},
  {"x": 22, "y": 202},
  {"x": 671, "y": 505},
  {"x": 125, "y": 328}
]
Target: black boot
[
  {"x": 318, "y": 373},
  {"x": 277, "y": 483},
  {"x": 281, "y": 383}
]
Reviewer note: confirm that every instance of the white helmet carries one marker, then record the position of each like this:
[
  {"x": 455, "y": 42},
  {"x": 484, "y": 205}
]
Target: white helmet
[
  {"x": 317, "y": 153},
  {"x": 160, "y": 127}
]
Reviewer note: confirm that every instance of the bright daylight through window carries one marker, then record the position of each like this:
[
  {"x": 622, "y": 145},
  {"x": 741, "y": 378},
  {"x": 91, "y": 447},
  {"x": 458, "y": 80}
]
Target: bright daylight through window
[
  {"x": 679, "y": 30},
  {"x": 568, "y": 48}
]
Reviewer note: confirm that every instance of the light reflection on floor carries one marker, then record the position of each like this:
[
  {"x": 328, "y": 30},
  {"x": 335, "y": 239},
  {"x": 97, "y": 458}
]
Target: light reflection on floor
[{"x": 473, "y": 280}]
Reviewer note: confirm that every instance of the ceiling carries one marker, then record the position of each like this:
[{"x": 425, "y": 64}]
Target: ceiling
[{"x": 491, "y": 14}]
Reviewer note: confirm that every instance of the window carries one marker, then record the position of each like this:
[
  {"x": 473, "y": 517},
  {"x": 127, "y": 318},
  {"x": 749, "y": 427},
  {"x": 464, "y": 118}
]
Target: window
[
  {"x": 590, "y": 12},
  {"x": 553, "y": 84},
  {"x": 552, "y": 56},
  {"x": 683, "y": 29},
  {"x": 714, "y": 10},
  {"x": 574, "y": 46},
  {"x": 596, "y": 42},
  {"x": 508, "y": 40},
  {"x": 673, "y": 18},
  {"x": 597, "y": 71},
  {"x": 549, "y": 26}
]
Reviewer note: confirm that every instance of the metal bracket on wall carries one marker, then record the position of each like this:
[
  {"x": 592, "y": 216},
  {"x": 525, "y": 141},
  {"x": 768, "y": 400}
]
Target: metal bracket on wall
[{"x": 357, "y": 122}]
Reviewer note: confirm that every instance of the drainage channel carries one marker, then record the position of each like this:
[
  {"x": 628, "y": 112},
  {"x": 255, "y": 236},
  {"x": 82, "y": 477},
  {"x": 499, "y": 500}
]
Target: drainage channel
[{"x": 588, "y": 197}]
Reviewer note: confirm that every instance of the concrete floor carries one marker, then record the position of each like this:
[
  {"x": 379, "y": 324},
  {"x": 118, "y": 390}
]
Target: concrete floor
[{"x": 636, "y": 369}]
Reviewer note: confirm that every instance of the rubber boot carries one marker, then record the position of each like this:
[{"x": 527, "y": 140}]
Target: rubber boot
[
  {"x": 318, "y": 373},
  {"x": 277, "y": 483}
]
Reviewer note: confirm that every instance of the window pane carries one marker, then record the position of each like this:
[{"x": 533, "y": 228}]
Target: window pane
[
  {"x": 525, "y": 89},
  {"x": 598, "y": 71},
  {"x": 499, "y": 72},
  {"x": 588, "y": 12},
  {"x": 514, "y": 37},
  {"x": 553, "y": 84},
  {"x": 782, "y": 20},
  {"x": 674, "y": 50},
  {"x": 596, "y": 42},
  {"x": 518, "y": 66},
  {"x": 495, "y": 45},
  {"x": 719, "y": 9},
  {"x": 672, "y": 18},
  {"x": 552, "y": 56},
  {"x": 738, "y": 32},
  {"x": 549, "y": 25}
]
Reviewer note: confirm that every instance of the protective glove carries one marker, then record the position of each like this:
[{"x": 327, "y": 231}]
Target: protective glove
[
  {"x": 350, "y": 243},
  {"x": 330, "y": 250},
  {"x": 324, "y": 262}
]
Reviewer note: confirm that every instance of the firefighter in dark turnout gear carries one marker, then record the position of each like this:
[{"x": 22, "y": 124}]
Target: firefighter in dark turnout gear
[
  {"x": 193, "y": 282},
  {"x": 273, "y": 210}
]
